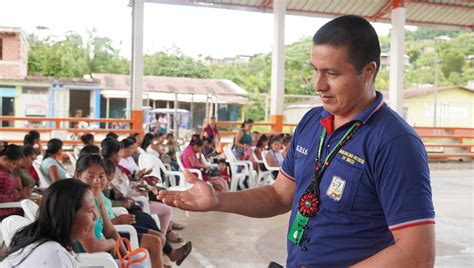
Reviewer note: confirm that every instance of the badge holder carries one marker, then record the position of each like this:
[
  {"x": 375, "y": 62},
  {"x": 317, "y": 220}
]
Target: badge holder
[{"x": 297, "y": 228}]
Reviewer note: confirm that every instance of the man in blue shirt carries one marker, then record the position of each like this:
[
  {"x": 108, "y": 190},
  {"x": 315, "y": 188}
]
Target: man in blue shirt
[{"x": 356, "y": 176}]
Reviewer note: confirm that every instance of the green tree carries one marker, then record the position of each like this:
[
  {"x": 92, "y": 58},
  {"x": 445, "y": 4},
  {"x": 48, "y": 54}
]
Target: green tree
[{"x": 174, "y": 63}]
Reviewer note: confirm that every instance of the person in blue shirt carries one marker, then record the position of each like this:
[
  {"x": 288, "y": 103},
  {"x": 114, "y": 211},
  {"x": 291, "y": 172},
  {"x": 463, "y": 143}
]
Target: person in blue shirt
[{"x": 356, "y": 176}]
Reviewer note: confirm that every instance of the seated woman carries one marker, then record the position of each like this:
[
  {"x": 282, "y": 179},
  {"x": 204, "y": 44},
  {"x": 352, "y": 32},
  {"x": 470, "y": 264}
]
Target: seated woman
[
  {"x": 87, "y": 139},
  {"x": 150, "y": 144},
  {"x": 172, "y": 149},
  {"x": 142, "y": 221},
  {"x": 125, "y": 188},
  {"x": 191, "y": 160},
  {"x": 208, "y": 149},
  {"x": 33, "y": 139},
  {"x": 50, "y": 166},
  {"x": 129, "y": 147},
  {"x": 286, "y": 142},
  {"x": 259, "y": 148},
  {"x": 22, "y": 173},
  {"x": 274, "y": 155},
  {"x": 68, "y": 205},
  {"x": 10, "y": 157},
  {"x": 90, "y": 169},
  {"x": 154, "y": 143}
]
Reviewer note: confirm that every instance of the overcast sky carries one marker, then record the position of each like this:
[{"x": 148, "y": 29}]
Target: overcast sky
[{"x": 196, "y": 31}]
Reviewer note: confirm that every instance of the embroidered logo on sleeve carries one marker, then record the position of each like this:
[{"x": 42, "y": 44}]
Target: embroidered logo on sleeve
[
  {"x": 336, "y": 188},
  {"x": 301, "y": 149}
]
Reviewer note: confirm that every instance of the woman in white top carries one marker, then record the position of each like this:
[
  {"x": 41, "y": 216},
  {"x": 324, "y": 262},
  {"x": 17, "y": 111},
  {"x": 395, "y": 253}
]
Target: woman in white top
[
  {"x": 67, "y": 214},
  {"x": 274, "y": 155}
]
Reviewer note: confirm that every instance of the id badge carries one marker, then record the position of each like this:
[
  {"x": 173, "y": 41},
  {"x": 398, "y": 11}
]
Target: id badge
[{"x": 297, "y": 228}]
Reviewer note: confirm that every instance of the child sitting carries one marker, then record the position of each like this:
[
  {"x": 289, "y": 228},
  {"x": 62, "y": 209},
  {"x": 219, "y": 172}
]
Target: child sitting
[{"x": 222, "y": 166}]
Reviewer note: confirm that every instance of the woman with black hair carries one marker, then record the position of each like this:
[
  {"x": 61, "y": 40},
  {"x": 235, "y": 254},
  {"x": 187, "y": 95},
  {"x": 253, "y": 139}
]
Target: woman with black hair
[
  {"x": 22, "y": 173},
  {"x": 33, "y": 139},
  {"x": 259, "y": 148},
  {"x": 50, "y": 166},
  {"x": 153, "y": 143},
  {"x": 125, "y": 188},
  {"x": 67, "y": 214},
  {"x": 243, "y": 141},
  {"x": 142, "y": 221},
  {"x": 191, "y": 160},
  {"x": 91, "y": 170},
  {"x": 10, "y": 157}
]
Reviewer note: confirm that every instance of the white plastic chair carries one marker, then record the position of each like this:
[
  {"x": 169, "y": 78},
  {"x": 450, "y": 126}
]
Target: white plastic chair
[
  {"x": 98, "y": 259},
  {"x": 11, "y": 225},
  {"x": 263, "y": 177},
  {"x": 44, "y": 183},
  {"x": 30, "y": 208},
  {"x": 119, "y": 211},
  {"x": 247, "y": 166},
  {"x": 265, "y": 162},
  {"x": 146, "y": 208},
  {"x": 39, "y": 159},
  {"x": 151, "y": 161},
  {"x": 237, "y": 179},
  {"x": 72, "y": 158},
  {"x": 192, "y": 170}
]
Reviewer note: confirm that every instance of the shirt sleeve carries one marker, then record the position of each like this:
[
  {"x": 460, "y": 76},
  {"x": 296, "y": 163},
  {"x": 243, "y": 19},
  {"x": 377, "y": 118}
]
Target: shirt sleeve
[
  {"x": 403, "y": 183},
  {"x": 8, "y": 192},
  {"x": 288, "y": 166}
]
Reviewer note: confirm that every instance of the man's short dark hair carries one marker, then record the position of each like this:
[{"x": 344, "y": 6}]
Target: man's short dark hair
[{"x": 357, "y": 35}]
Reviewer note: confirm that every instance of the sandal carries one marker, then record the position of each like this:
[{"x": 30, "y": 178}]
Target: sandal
[
  {"x": 176, "y": 239},
  {"x": 177, "y": 226},
  {"x": 187, "y": 249}
]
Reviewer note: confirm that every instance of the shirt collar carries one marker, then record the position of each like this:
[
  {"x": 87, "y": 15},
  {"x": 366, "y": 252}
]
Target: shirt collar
[{"x": 327, "y": 120}]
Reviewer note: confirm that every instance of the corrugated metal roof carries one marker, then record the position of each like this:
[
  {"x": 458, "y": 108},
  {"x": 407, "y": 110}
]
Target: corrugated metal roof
[
  {"x": 458, "y": 14},
  {"x": 223, "y": 91}
]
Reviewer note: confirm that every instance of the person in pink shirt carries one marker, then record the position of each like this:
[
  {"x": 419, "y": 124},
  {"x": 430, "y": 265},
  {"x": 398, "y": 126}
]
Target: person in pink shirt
[{"x": 192, "y": 161}]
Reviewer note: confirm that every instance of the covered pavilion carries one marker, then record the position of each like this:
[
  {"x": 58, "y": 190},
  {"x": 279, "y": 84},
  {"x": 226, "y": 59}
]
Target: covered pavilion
[{"x": 446, "y": 14}]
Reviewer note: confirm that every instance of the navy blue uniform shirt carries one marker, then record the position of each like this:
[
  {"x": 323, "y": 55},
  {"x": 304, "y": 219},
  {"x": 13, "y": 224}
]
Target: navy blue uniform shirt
[{"x": 377, "y": 183}]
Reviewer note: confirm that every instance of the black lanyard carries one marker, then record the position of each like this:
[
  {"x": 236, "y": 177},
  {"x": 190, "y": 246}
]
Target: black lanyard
[{"x": 309, "y": 201}]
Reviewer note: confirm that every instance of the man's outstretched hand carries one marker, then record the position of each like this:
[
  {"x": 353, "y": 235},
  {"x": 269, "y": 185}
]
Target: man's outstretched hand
[{"x": 200, "y": 197}]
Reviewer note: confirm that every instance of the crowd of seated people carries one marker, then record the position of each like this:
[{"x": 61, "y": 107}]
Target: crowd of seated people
[
  {"x": 114, "y": 179},
  {"x": 249, "y": 146},
  {"x": 108, "y": 176}
]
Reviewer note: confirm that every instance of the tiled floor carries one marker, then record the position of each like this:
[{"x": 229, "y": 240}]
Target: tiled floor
[{"x": 226, "y": 240}]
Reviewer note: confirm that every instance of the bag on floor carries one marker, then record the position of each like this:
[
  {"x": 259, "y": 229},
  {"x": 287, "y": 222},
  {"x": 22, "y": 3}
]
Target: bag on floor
[{"x": 134, "y": 258}]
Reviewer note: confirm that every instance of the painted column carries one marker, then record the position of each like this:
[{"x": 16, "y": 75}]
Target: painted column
[
  {"x": 19, "y": 107},
  {"x": 97, "y": 105},
  {"x": 137, "y": 64},
  {"x": 107, "y": 112},
  {"x": 52, "y": 103},
  {"x": 397, "y": 49},
  {"x": 278, "y": 65}
]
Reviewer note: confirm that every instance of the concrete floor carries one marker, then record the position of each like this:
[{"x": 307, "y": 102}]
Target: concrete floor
[{"x": 227, "y": 240}]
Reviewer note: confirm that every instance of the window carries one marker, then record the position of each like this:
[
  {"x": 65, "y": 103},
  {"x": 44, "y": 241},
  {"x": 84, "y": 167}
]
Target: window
[{"x": 1, "y": 49}]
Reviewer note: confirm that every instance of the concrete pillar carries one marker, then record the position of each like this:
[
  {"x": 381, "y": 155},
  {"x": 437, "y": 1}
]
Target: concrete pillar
[
  {"x": 278, "y": 65},
  {"x": 137, "y": 63},
  {"x": 397, "y": 49}
]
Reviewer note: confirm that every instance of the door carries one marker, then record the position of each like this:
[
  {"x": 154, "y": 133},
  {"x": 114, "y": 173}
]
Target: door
[{"x": 8, "y": 109}]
